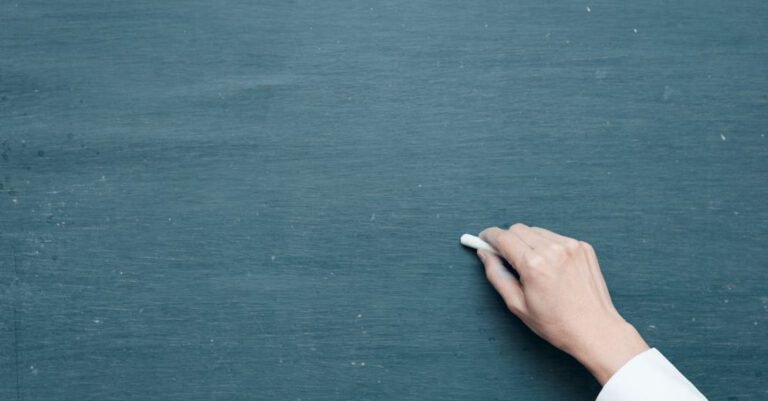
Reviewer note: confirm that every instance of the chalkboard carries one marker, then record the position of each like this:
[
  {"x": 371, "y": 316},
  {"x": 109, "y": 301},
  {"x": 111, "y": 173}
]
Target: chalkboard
[{"x": 262, "y": 200}]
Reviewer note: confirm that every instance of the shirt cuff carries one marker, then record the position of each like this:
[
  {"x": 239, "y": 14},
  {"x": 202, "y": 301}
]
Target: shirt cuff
[{"x": 649, "y": 376}]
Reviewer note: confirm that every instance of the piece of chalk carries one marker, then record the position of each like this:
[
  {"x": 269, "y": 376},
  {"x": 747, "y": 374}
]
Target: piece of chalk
[{"x": 476, "y": 243}]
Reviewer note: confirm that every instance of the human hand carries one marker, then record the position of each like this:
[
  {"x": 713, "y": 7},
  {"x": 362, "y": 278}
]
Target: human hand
[{"x": 561, "y": 295}]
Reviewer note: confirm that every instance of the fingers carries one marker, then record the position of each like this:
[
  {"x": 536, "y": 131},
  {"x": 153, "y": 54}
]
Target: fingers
[
  {"x": 530, "y": 237},
  {"x": 553, "y": 247},
  {"x": 532, "y": 248},
  {"x": 503, "y": 281},
  {"x": 511, "y": 247}
]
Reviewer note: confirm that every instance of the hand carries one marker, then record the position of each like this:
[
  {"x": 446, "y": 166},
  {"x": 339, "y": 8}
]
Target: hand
[{"x": 561, "y": 295}]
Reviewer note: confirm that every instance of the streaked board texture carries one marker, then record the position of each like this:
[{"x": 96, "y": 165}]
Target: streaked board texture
[{"x": 262, "y": 200}]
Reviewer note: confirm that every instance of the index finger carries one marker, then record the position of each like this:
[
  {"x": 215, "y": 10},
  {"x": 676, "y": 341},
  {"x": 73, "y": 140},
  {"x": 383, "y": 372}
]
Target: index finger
[{"x": 509, "y": 245}]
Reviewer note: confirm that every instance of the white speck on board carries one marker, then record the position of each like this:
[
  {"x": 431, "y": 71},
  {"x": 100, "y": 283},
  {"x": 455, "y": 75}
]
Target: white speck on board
[
  {"x": 373, "y": 216},
  {"x": 97, "y": 321},
  {"x": 667, "y": 92},
  {"x": 722, "y": 137},
  {"x": 273, "y": 257},
  {"x": 600, "y": 73},
  {"x": 589, "y": 10},
  {"x": 359, "y": 315}
]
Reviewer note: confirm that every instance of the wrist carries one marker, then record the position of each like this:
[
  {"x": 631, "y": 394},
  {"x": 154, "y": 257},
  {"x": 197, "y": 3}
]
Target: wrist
[{"x": 605, "y": 353}]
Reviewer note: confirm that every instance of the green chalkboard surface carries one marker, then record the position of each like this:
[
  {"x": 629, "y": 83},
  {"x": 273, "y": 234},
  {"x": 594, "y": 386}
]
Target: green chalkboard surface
[{"x": 262, "y": 200}]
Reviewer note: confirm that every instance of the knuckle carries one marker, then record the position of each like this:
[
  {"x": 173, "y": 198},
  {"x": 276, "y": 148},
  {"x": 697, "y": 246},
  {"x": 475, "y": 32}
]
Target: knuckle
[
  {"x": 571, "y": 245},
  {"x": 517, "y": 227},
  {"x": 586, "y": 246},
  {"x": 556, "y": 250},
  {"x": 534, "y": 260}
]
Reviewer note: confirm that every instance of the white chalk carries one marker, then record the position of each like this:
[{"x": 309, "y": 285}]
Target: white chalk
[{"x": 476, "y": 243}]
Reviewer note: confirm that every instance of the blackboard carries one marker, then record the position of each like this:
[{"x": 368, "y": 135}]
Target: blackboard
[{"x": 262, "y": 200}]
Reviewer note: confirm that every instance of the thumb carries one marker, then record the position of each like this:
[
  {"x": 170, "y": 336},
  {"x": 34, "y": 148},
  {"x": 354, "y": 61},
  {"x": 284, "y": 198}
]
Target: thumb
[{"x": 503, "y": 281}]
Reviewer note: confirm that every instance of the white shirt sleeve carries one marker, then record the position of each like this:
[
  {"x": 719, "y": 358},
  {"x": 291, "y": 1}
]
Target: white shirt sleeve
[{"x": 649, "y": 376}]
